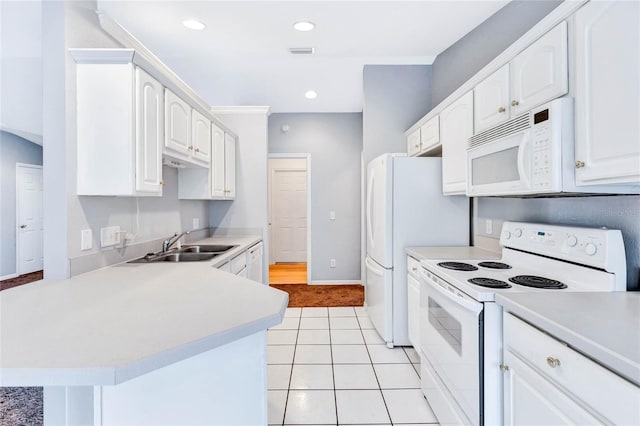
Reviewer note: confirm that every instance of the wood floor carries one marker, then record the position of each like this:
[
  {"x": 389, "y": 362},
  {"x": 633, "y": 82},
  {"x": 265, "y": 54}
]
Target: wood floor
[{"x": 288, "y": 273}]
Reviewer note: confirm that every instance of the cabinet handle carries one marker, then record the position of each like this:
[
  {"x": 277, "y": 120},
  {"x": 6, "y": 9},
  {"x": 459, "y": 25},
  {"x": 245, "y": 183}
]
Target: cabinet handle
[
  {"x": 197, "y": 149},
  {"x": 23, "y": 226},
  {"x": 417, "y": 145},
  {"x": 553, "y": 362},
  {"x": 190, "y": 147},
  {"x": 504, "y": 368},
  {"x": 414, "y": 269},
  {"x": 515, "y": 103},
  {"x": 579, "y": 164},
  {"x": 162, "y": 182},
  {"x": 502, "y": 109}
]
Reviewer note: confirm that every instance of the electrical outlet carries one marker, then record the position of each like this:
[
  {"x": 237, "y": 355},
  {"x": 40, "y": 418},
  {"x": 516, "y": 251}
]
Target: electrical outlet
[
  {"x": 488, "y": 227},
  {"x": 86, "y": 239},
  {"x": 109, "y": 236},
  {"x": 332, "y": 215},
  {"x": 333, "y": 263},
  {"x": 195, "y": 223}
]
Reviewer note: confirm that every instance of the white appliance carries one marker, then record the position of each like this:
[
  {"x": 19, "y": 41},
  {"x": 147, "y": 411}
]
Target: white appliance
[
  {"x": 404, "y": 207},
  {"x": 532, "y": 154},
  {"x": 254, "y": 262},
  {"x": 461, "y": 340}
]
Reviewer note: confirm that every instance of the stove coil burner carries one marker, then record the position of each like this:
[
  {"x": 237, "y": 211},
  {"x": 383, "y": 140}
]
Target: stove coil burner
[
  {"x": 458, "y": 266},
  {"x": 537, "y": 282},
  {"x": 494, "y": 265},
  {"x": 489, "y": 282}
]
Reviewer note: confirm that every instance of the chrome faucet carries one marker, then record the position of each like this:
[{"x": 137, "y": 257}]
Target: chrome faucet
[{"x": 166, "y": 244}]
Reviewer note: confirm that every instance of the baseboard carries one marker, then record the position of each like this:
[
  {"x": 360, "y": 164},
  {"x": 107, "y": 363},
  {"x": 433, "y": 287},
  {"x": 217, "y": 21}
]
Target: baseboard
[
  {"x": 8, "y": 277},
  {"x": 335, "y": 282}
]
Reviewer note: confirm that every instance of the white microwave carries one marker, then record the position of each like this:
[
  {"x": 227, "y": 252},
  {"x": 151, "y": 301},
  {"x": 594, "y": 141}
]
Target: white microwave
[{"x": 523, "y": 156}]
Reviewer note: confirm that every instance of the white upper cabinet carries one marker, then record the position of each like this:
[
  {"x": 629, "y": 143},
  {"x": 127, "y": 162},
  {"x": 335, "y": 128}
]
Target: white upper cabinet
[
  {"x": 178, "y": 125},
  {"x": 607, "y": 105},
  {"x": 540, "y": 72},
  {"x": 491, "y": 100},
  {"x": 120, "y": 128},
  {"x": 217, "y": 164},
  {"x": 456, "y": 127},
  {"x": 230, "y": 165},
  {"x": 201, "y": 132},
  {"x": 413, "y": 143},
  {"x": 430, "y": 134},
  {"x": 537, "y": 75}
]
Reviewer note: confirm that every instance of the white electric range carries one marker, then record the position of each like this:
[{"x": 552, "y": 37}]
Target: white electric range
[{"x": 461, "y": 325}]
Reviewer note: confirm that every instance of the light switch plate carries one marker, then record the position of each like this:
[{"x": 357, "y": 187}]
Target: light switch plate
[
  {"x": 332, "y": 215},
  {"x": 196, "y": 223},
  {"x": 488, "y": 227},
  {"x": 86, "y": 239},
  {"x": 109, "y": 236}
]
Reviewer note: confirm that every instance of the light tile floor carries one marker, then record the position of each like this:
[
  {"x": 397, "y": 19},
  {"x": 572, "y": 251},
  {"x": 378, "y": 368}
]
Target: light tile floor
[{"x": 329, "y": 366}]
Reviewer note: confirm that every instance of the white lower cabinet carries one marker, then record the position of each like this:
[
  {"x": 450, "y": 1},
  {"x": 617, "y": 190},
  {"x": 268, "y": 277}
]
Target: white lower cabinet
[
  {"x": 607, "y": 100},
  {"x": 548, "y": 383},
  {"x": 254, "y": 262},
  {"x": 413, "y": 301},
  {"x": 120, "y": 130}
]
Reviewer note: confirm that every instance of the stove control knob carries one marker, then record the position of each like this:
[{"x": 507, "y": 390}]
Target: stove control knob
[
  {"x": 517, "y": 232},
  {"x": 590, "y": 249},
  {"x": 572, "y": 240},
  {"x": 506, "y": 235}
]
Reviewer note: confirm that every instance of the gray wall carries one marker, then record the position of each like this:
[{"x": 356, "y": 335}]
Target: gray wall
[
  {"x": 394, "y": 98},
  {"x": 335, "y": 144},
  {"x": 13, "y": 149},
  {"x": 471, "y": 53},
  {"x": 70, "y": 25},
  {"x": 465, "y": 58}
]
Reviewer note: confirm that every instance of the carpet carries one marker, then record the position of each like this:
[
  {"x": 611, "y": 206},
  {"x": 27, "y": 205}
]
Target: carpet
[
  {"x": 303, "y": 295},
  {"x": 22, "y": 279}
]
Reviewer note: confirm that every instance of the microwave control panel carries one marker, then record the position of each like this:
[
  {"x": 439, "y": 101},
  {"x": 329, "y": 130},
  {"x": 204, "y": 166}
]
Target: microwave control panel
[{"x": 542, "y": 173}]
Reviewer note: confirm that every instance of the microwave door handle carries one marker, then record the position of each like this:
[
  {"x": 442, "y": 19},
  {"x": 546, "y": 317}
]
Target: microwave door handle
[
  {"x": 475, "y": 307},
  {"x": 524, "y": 160}
]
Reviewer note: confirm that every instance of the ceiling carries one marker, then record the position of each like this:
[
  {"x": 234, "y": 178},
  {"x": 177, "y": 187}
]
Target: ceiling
[{"x": 242, "y": 56}]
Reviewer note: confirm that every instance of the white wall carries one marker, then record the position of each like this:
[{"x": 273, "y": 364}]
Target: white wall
[
  {"x": 334, "y": 142},
  {"x": 75, "y": 25}
]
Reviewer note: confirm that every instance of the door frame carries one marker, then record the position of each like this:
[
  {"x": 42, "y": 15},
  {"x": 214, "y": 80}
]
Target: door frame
[
  {"x": 18, "y": 167},
  {"x": 307, "y": 157}
]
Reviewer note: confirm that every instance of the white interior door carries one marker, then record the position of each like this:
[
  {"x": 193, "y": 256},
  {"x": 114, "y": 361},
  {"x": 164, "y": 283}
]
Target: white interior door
[
  {"x": 29, "y": 218},
  {"x": 289, "y": 215}
]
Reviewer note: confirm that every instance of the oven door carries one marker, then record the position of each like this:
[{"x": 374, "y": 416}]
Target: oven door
[
  {"x": 501, "y": 167},
  {"x": 452, "y": 343}
]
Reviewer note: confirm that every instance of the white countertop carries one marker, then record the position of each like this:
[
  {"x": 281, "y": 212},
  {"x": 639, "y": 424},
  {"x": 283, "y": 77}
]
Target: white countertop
[
  {"x": 603, "y": 326},
  {"x": 446, "y": 253},
  {"x": 111, "y": 325}
]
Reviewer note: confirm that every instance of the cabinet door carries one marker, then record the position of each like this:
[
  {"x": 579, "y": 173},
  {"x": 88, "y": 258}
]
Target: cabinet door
[
  {"x": 430, "y": 134},
  {"x": 201, "y": 132},
  {"x": 217, "y": 162},
  {"x": 413, "y": 303},
  {"x": 230, "y": 166},
  {"x": 456, "y": 126},
  {"x": 608, "y": 93},
  {"x": 540, "y": 73},
  {"x": 491, "y": 100},
  {"x": 149, "y": 133},
  {"x": 531, "y": 399},
  {"x": 413, "y": 143},
  {"x": 177, "y": 138}
]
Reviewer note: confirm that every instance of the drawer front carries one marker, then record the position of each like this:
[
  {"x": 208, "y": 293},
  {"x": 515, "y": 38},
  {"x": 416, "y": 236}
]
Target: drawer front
[
  {"x": 413, "y": 267},
  {"x": 413, "y": 143},
  {"x": 238, "y": 263},
  {"x": 596, "y": 387}
]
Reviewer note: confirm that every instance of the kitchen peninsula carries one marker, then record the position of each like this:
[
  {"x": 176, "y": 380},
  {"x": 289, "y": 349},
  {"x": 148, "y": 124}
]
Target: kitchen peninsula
[{"x": 170, "y": 343}]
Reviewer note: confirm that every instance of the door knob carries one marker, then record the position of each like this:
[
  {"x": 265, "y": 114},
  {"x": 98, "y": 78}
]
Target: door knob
[
  {"x": 23, "y": 226},
  {"x": 553, "y": 362}
]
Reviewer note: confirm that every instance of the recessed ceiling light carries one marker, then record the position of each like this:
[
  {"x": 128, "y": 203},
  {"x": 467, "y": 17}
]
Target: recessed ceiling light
[
  {"x": 304, "y": 26},
  {"x": 311, "y": 94},
  {"x": 193, "y": 24}
]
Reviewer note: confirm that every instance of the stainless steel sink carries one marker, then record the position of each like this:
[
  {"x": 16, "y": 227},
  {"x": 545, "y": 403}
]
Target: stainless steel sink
[
  {"x": 206, "y": 248},
  {"x": 175, "y": 257}
]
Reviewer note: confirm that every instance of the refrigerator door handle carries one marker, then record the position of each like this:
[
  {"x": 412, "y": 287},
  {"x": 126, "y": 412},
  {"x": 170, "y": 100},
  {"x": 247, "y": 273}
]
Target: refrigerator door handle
[
  {"x": 369, "y": 218},
  {"x": 374, "y": 267}
]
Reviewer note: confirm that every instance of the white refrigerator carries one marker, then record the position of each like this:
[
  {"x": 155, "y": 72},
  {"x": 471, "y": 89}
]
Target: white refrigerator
[{"x": 404, "y": 207}]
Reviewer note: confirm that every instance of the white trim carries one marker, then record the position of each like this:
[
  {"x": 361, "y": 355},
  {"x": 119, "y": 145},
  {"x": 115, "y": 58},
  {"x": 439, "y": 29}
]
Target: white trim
[
  {"x": 335, "y": 282},
  {"x": 306, "y": 156},
  {"x": 557, "y": 15},
  {"x": 8, "y": 277},
  {"x": 18, "y": 167},
  {"x": 240, "y": 110},
  {"x": 102, "y": 56}
]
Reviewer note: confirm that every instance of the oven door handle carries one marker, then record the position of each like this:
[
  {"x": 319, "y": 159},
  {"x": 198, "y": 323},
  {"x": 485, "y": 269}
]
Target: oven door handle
[
  {"x": 524, "y": 159},
  {"x": 475, "y": 307}
]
